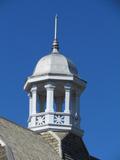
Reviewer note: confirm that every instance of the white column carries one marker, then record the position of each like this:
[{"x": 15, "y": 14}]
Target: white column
[
  {"x": 34, "y": 99},
  {"x": 49, "y": 98},
  {"x": 67, "y": 99},
  {"x": 49, "y": 118},
  {"x": 30, "y": 103},
  {"x": 33, "y": 106}
]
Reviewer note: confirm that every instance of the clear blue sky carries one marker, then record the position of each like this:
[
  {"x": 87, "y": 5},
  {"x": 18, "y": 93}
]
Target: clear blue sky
[{"x": 89, "y": 34}]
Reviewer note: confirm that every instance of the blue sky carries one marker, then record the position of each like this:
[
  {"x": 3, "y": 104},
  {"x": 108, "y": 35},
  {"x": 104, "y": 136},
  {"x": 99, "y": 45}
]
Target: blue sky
[{"x": 89, "y": 34}]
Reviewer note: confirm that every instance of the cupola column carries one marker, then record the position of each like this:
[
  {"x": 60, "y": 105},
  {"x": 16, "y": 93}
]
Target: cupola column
[
  {"x": 49, "y": 97},
  {"x": 67, "y": 99},
  {"x": 30, "y": 103},
  {"x": 34, "y": 99},
  {"x": 33, "y": 105}
]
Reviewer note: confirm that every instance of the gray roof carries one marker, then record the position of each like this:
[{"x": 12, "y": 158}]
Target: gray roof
[
  {"x": 55, "y": 63},
  {"x": 23, "y": 144}
]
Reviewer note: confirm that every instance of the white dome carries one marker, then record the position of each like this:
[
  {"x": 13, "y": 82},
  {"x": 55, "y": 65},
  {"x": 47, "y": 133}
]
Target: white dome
[{"x": 55, "y": 63}]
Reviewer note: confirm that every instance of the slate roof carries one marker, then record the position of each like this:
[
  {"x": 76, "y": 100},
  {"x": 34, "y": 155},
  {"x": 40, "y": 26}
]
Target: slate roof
[{"x": 23, "y": 144}]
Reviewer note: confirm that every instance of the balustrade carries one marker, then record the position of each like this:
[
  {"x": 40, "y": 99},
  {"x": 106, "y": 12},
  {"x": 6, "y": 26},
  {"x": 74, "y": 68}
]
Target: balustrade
[{"x": 58, "y": 118}]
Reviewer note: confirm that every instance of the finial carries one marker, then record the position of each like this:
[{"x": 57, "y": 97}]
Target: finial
[
  {"x": 56, "y": 23},
  {"x": 55, "y": 42}
]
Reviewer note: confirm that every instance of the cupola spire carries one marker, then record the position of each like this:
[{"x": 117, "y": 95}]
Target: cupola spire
[
  {"x": 56, "y": 23},
  {"x": 55, "y": 45}
]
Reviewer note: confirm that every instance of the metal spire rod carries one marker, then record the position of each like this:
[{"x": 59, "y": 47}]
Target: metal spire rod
[
  {"x": 55, "y": 45},
  {"x": 56, "y": 25}
]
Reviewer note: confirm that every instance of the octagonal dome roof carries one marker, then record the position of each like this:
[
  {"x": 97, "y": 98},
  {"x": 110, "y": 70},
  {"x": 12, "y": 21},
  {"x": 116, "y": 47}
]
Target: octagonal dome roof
[{"x": 55, "y": 63}]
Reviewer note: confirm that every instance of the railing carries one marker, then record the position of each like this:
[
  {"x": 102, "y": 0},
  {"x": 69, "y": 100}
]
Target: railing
[{"x": 52, "y": 118}]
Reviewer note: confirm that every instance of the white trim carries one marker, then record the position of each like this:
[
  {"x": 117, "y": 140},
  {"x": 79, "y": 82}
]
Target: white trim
[
  {"x": 46, "y": 77},
  {"x": 50, "y": 113},
  {"x": 2, "y": 143},
  {"x": 56, "y": 127},
  {"x": 72, "y": 129}
]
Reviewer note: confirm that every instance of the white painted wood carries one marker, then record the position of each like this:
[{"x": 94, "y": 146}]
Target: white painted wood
[
  {"x": 34, "y": 99},
  {"x": 34, "y": 105},
  {"x": 49, "y": 98},
  {"x": 67, "y": 99},
  {"x": 30, "y": 104}
]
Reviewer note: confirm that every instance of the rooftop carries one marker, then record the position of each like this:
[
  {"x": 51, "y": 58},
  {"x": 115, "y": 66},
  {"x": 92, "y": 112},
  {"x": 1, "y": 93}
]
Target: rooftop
[{"x": 21, "y": 143}]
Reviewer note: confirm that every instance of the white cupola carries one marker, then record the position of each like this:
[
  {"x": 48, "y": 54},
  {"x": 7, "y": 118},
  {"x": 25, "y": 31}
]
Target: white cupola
[{"x": 54, "y": 91}]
